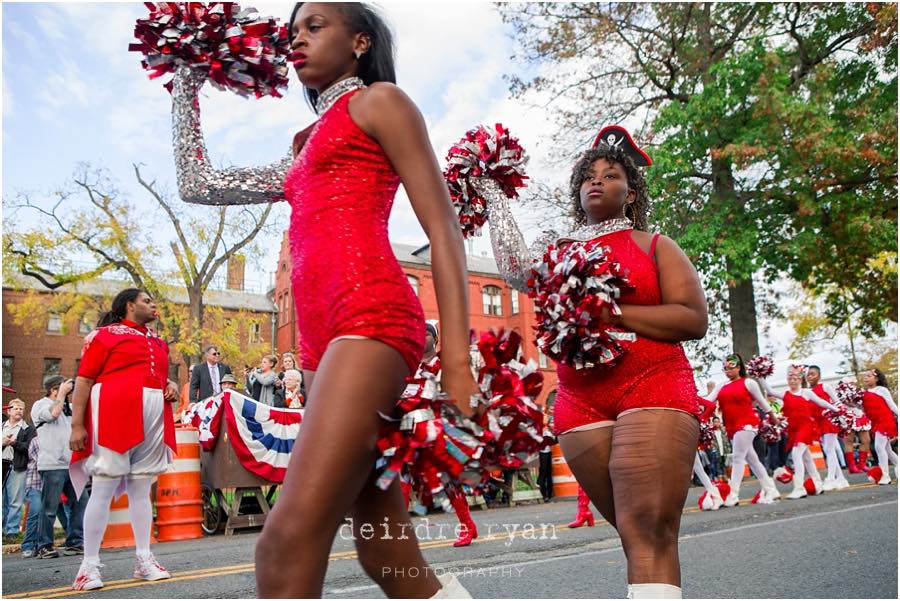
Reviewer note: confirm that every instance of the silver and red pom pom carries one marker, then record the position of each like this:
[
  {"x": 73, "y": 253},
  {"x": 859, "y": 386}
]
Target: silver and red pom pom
[
  {"x": 844, "y": 418},
  {"x": 772, "y": 432},
  {"x": 233, "y": 48},
  {"x": 850, "y": 394},
  {"x": 483, "y": 155},
  {"x": 441, "y": 449},
  {"x": 571, "y": 287},
  {"x": 761, "y": 366}
]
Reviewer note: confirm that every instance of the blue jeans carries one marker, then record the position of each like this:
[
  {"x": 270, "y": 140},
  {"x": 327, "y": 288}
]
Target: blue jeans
[
  {"x": 56, "y": 482},
  {"x": 13, "y": 497},
  {"x": 713, "y": 469},
  {"x": 32, "y": 524}
]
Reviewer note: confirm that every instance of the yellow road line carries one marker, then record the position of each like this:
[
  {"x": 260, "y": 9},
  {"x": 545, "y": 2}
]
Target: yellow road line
[{"x": 248, "y": 567}]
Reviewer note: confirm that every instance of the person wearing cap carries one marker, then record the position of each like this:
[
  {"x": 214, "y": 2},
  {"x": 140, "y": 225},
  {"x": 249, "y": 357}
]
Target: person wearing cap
[
  {"x": 610, "y": 420},
  {"x": 228, "y": 382},
  {"x": 52, "y": 416},
  {"x": 123, "y": 432}
]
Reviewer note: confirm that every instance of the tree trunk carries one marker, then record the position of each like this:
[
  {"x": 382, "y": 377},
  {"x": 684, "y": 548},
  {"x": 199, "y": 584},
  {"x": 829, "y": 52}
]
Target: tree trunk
[
  {"x": 195, "y": 298},
  {"x": 741, "y": 298},
  {"x": 742, "y": 311}
]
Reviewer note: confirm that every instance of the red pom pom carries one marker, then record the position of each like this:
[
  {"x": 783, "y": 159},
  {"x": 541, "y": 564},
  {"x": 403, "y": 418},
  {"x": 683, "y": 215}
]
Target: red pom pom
[
  {"x": 571, "y": 289},
  {"x": 235, "y": 49},
  {"x": 874, "y": 474},
  {"x": 773, "y": 432},
  {"x": 784, "y": 475},
  {"x": 481, "y": 154},
  {"x": 810, "y": 487}
]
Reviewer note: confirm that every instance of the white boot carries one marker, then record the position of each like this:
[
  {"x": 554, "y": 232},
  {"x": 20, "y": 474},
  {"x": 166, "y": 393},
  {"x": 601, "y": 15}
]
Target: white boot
[
  {"x": 840, "y": 483},
  {"x": 817, "y": 481},
  {"x": 799, "y": 490},
  {"x": 734, "y": 496},
  {"x": 716, "y": 498},
  {"x": 450, "y": 588},
  {"x": 771, "y": 490},
  {"x": 829, "y": 484},
  {"x": 885, "y": 475},
  {"x": 653, "y": 591}
]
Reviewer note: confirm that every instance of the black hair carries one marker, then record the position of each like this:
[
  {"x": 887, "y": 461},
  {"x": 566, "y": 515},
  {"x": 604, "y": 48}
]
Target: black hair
[
  {"x": 53, "y": 382},
  {"x": 815, "y": 367},
  {"x": 736, "y": 358},
  {"x": 636, "y": 211},
  {"x": 880, "y": 379},
  {"x": 378, "y": 63},
  {"x": 120, "y": 305}
]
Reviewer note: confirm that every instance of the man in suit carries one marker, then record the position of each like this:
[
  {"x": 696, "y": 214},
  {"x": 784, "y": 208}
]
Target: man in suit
[{"x": 206, "y": 377}]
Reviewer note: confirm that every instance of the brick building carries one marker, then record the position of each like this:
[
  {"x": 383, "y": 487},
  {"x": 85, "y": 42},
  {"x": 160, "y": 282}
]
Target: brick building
[
  {"x": 30, "y": 356},
  {"x": 492, "y": 303}
]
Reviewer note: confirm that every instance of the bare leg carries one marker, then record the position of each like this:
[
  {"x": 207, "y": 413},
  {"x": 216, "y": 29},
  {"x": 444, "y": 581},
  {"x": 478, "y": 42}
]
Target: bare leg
[
  {"x": 650, "y": 463},
  {"x": 587, "y": 454},
  {"x": 331, "y": 463},
  {"x": 389, "y": 551}
]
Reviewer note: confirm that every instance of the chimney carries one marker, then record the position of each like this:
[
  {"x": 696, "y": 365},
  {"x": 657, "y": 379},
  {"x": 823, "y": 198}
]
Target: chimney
[{"x": 235, "y": 279}]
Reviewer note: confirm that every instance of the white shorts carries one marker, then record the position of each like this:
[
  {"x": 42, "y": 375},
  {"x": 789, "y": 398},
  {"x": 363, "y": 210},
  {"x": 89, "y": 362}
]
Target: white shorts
[{"x": 148, "y": 459}]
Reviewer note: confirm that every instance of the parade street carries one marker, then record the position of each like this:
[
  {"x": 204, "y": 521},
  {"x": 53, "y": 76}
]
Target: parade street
[{"x": 841, "y": 544}]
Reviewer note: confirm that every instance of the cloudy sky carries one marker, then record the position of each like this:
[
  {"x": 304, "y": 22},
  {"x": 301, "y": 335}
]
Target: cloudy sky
[{"x": 72, "y": 93}]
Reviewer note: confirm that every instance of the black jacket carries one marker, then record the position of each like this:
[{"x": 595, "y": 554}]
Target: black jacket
[
  {"x": 201, "y": 385},
  {"x": 20, "y": 447}
]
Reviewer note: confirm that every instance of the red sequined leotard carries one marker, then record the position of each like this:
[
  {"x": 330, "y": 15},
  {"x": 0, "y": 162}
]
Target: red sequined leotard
[
  {"x": 651, "y": 374},
  {"x": 346, "y": 280},
  {"x": 825, "y": 425},
  {"x": 736, "y": 405}
]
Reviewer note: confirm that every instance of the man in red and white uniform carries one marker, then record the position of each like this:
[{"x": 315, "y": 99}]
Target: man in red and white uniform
[{"x": 123, "y": 434}]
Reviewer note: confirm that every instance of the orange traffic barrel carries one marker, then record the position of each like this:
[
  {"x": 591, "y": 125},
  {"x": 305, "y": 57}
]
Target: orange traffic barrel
[
  {"x": 818, "y": 456},
  {"x": 179, "y": 504},
  {"x": 118, "y": 529},
  {"x": 564, "y": 483}
]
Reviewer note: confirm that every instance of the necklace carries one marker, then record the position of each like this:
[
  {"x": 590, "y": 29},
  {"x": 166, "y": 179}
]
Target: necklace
[
  {"x": 328, "y": 97},
  {"x": 585, "y": 232}
]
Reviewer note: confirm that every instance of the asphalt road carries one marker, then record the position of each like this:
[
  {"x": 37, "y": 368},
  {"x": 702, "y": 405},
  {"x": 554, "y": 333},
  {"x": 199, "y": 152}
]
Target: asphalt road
[{"x": 837, "y": 545}]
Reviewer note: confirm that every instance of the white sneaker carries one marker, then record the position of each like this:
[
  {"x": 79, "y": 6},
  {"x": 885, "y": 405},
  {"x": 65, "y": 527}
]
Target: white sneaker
[
  {"x": 840, "y": 483},
  {"x": 829, "y": 484},
  {"x": 771, "y": 490},
  {"x": 732, "y": 499},
  {"x": 798, "y": 493},
  {"x": 716, "y": 500},
  {"x": 885, "y": 477},
  {"x": 147, "y": 568},
  {"x": 88, "y": 577}
]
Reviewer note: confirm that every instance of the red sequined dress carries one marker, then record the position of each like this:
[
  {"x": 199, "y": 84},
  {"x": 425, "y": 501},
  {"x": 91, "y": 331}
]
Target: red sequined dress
[
  {"x": 801, "y": 426},
  {"x": 825, "y": 425},
  {"x": 346, "y": 281},
  {"x": 883, "y": 419},
  {"x": 651, "y": 374},
  {"x": 736, "y": 405}
]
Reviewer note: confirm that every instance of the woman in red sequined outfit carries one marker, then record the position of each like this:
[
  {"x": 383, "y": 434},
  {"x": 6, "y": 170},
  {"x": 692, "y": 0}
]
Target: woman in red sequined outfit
[
  {"x": 361, "y": 325},
  {"x": 736, "y": 399},
  {"x": 881, "y": 409},
  {"x": 629, "y": 433}
]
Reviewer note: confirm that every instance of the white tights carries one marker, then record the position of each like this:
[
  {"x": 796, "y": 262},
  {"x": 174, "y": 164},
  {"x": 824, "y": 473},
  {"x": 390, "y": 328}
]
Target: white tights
[
  {"x": 884, "y": 452},
  {"x": 832, "y": 450},
  {"x": 742, "y": 453},
  {"x": 96, "y": 514},
  {"x": 703, "y": 476},
  {"x": 803, "y": 464}
]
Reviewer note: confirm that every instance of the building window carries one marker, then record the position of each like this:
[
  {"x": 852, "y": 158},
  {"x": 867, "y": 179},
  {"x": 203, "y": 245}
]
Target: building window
[
  {"x": 491, "y": 298},
  {"x": 542, "y": 360},
  {"x": 514, "y": 296},
  {"x": 54, "y": 322},
  {"x": 51, "y": 367},
  {"x": 7, "y": 370},
  {"x": 255, "y": 329},
  {"x": 414, "y": 282},
  {"x": 86, "y": 324}
]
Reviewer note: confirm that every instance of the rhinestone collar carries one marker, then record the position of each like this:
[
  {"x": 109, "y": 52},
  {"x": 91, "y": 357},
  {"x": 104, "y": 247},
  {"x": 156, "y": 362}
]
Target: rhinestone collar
[
  {"x": 327, "y": 98},
  {"x": 585, "y": 232}
]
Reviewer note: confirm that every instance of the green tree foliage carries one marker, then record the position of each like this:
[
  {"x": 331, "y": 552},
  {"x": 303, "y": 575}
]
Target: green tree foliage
[{"x": 773, "y": 129}]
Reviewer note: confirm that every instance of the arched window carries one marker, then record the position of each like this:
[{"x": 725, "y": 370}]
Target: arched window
[
  {"x": 491, "y": 298},
  {"x": 414, "y": 282}
]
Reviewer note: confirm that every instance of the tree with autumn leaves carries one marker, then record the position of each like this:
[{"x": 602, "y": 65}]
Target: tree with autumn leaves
[
  {"x": 773, "y": 130},
  {"x": 88, "y": 229}
]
